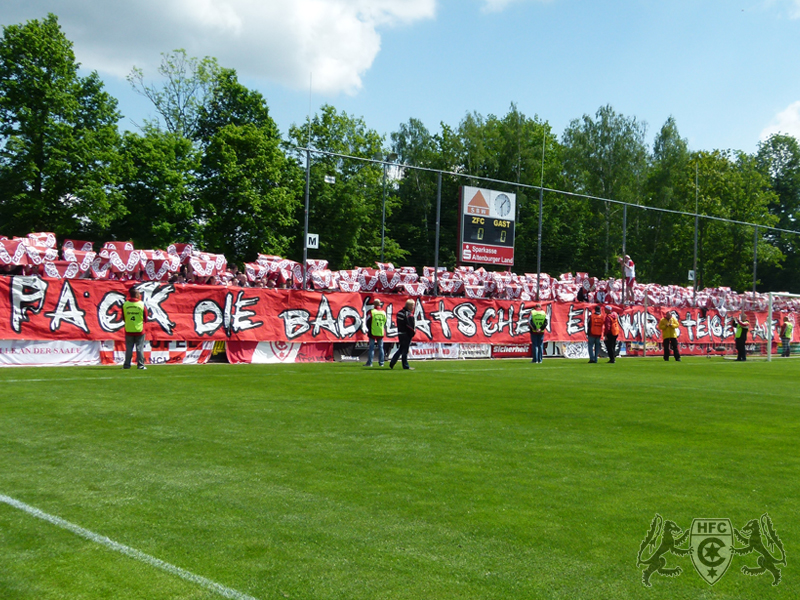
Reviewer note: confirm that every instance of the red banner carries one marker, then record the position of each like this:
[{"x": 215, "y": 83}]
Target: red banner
[
  {"x": 44, "y": 309},
  {"x": 487, "y": 255}
]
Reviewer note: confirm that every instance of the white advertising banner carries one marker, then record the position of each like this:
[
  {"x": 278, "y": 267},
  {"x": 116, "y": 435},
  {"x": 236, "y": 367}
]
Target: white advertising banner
[
  {"x": 29, "y": 353},
  {"x": 475, "y": 351},
  {"x": 430, "y": 350},
  {"x": 275, "y": 352}
]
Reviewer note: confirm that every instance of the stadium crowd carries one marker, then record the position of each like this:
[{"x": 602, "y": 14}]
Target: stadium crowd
[{"x": 37, "y": 254}]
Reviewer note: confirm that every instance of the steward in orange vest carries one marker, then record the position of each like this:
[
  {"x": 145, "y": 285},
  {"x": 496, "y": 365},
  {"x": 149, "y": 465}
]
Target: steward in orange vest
[{"x": 595, "y": 333}]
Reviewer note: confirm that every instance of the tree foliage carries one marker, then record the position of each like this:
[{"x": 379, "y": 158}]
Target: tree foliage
[
  {"x": 213, "y": 168},
  {"x": 778, "y": 159},
  {"x": 58, "y": 136},
  {"x": 346, "y": 211},
  {"x": 186, "y": 89},
  {"x": 227, "y": 184},
  {"x": 605, "y": 157},
  {"x": 158, "y": 182}
]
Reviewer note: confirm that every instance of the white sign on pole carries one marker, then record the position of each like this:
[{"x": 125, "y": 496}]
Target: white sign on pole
[
  {"x": 691, "y": 275},
  {"x": 312, "y": 241}
]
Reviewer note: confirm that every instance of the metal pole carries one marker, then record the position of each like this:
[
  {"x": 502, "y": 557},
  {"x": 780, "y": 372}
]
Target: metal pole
[
  {"x": 383, "y": 211},
  {"x": 755, "y": 260},
  {"x": 539, "y": 239},
  {"x": 696, "y": 226},
  {"x": 769, "y": 330},
  {"x": 624, "y": 228},
  {"x": 436, "y": 250},
  {"x": 305, "y": 227},
  {"x": 624, "y": 242},
  {"x": 644, "y": 329}
]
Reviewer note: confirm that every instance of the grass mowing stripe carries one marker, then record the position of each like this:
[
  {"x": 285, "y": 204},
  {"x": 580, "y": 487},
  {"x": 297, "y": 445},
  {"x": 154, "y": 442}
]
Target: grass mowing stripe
[{"x": 213, "y": 586}]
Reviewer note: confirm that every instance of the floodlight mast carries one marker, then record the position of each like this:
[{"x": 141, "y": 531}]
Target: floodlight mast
[
  {"x": 696, "y": 226},
  {"x": 539, "y": 236},
  {"x": 392, "y": 157},
  {"x": 305, "y": 227},
  {"x": 438, "y": 223}
]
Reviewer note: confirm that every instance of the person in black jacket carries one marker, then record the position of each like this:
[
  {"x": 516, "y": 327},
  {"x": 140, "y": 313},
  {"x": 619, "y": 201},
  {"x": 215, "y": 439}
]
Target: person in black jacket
[{"x": 405, "y": 331}]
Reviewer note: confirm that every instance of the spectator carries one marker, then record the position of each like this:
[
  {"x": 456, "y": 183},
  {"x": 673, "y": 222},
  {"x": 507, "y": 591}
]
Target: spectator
[
  {"x": 583, "y": 296},
  {"x": 742, "y": 327},
  {"x": 629, "y": 271},
  {"x": 405, "y": 332},
  {"x": 669, "y": 332}
]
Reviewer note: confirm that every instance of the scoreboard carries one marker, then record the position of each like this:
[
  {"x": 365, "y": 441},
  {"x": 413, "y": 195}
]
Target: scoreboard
[{"x": 487, "y": 226}]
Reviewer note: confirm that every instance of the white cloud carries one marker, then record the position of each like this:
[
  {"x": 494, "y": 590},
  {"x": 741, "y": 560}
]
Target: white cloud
[
  {"x": 787, "y": 121},
  {"x": 281, "y": 40},
  {"x": 792, "y": 7},
  {"x": 490, "y": 6}
]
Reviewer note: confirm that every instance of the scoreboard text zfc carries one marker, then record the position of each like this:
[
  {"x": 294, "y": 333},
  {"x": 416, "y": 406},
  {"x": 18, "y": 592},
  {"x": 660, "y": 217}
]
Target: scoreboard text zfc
[
  {"x": 497, "y": 232},
  {"x": 487, "y": 226}
]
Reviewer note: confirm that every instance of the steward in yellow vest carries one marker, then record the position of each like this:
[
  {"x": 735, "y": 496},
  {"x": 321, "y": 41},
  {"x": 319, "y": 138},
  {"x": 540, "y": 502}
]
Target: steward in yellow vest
[
  {"x": 538, "y": 325},
  {"x": 786, "y": 337},
  {"x": 376, "y": 329},
  {"x": 669, "y": 332},
  {"x": 135, "y": 315}
]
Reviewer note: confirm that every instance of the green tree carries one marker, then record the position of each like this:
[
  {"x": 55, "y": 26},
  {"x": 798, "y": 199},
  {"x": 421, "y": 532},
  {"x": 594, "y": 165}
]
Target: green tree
[
  {"x": 605, "y": 157},
  {"x": 347, "y": 214},
  {"x": 731, "y": 186},
  {"x": 413, "y": 224},
  {"x": 248, "y": 196},
  {"x": 58, "y": 136},
  {"x": 158, "y": 183},
  {"x": 249, "y": 190},
  {"x": 234, "y": 191},
  {"x": 778, "y": 158},
  {"x": 179, "y": 101},
  {"x": 414, "y": 221},
  {"x": 662, "y": 242}
]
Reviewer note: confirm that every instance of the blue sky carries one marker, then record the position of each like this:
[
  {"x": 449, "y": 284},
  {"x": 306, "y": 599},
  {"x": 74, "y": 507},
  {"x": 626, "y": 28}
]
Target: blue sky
[{"x": 726, "y": 70}]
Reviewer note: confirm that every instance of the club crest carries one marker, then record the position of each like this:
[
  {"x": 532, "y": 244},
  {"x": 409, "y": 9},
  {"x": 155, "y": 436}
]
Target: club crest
[
  {"x": 711, "y": 541},
  {"x": 711, "y": 544}
]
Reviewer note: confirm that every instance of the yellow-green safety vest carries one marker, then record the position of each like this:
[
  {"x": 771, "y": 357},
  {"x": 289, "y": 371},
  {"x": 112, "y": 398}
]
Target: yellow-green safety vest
[
  {"x": 134, "y": 316},
  {"x": 538, "y": 319},
  {"x": 378, "y": 328}
]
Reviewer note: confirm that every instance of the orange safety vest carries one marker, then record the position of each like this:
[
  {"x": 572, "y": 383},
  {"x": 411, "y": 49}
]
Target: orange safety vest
[{"x": 596, "y": 325}]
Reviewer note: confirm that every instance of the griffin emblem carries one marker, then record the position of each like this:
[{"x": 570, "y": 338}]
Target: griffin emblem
[
  {"x": 753, "y": 535},
  {"x": 671, "y": 537}
]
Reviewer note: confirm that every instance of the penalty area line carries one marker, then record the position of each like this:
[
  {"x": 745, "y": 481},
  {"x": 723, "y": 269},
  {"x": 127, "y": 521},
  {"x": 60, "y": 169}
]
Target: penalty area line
[{"x": 223, "y": 591}]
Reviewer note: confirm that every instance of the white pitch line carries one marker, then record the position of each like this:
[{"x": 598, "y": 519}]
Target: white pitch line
[{"x": 223, "y": 591}]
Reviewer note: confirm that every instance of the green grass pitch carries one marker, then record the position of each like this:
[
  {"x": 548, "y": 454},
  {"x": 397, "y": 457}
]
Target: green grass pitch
[{"x": 462, "y": 480}]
